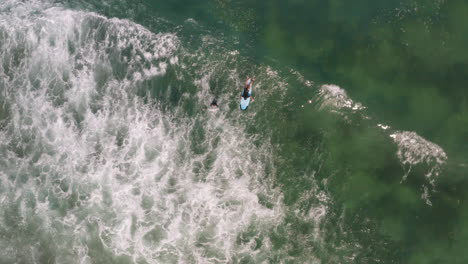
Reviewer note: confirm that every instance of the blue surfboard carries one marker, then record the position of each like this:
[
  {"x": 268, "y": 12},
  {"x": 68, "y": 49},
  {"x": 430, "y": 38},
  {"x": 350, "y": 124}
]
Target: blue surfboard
[{"x": 244, "y": 103}]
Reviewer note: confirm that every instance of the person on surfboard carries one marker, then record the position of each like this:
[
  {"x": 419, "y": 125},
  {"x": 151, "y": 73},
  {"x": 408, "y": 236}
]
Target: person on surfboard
[{"x": 246, "y": 92}]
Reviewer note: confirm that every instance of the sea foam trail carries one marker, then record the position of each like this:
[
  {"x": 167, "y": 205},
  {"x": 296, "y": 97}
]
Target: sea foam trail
[
  {"x": 335, "y": 96},
  {"x": 91, "y": 174},
  {"x": 412, "y": 149}
]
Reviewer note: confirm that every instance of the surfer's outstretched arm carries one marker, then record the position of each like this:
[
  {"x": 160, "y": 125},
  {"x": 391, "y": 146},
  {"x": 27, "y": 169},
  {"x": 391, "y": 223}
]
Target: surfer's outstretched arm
[{"x": 247, "y": 84}]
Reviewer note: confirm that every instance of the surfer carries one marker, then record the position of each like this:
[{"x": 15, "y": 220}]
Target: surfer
[
  {"x": 246, "y": 92},
  {"x": 214, "y": 103}
]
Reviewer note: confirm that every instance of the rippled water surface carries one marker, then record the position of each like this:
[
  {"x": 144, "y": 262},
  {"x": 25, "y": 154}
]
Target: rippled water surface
[{"x": 354, "y": 150}]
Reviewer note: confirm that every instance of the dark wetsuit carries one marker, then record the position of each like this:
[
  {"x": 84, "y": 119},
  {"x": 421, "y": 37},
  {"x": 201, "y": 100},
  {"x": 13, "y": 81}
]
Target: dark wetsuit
[{"x": 246, "y": 93}]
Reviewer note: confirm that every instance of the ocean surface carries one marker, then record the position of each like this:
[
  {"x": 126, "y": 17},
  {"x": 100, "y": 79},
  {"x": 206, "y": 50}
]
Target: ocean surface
[{"x": 355, "y": 149}]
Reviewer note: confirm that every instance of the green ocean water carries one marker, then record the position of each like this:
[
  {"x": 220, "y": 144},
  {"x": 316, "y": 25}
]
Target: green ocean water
[{"x": 354, "y": 151}]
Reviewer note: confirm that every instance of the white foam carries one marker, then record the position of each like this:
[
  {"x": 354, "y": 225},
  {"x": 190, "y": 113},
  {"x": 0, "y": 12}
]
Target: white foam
[
  {"x": 270, "y": 72},
  {"x": 413, "y": 150},
  {"x": 191, "y": 20},
  {"x": 335, "y": 96},
  {"x": 301, "y": 78},
  {"x": 116, "y": 170},
  {"x": 318, "y": 210},
  {"x": 426, "y": 196},
  {"x": 384, "y": 127},
  {"x": 174, "y": 60}
]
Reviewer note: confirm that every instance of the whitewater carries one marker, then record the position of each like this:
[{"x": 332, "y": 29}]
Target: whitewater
[
  {"x": 98, "y": 166},
  {"x": 90, "y": 173}
]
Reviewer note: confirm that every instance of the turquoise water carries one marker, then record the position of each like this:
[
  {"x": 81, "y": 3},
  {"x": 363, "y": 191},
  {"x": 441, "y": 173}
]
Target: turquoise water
[{"x": 354, "y": 150}]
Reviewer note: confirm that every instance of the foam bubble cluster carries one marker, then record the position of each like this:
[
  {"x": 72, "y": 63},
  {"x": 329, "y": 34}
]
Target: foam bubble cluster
[
  {"x": 90, "y": 173},
  {"x": 414, "y": 150},
  {"x": 335, "y": 96}
]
